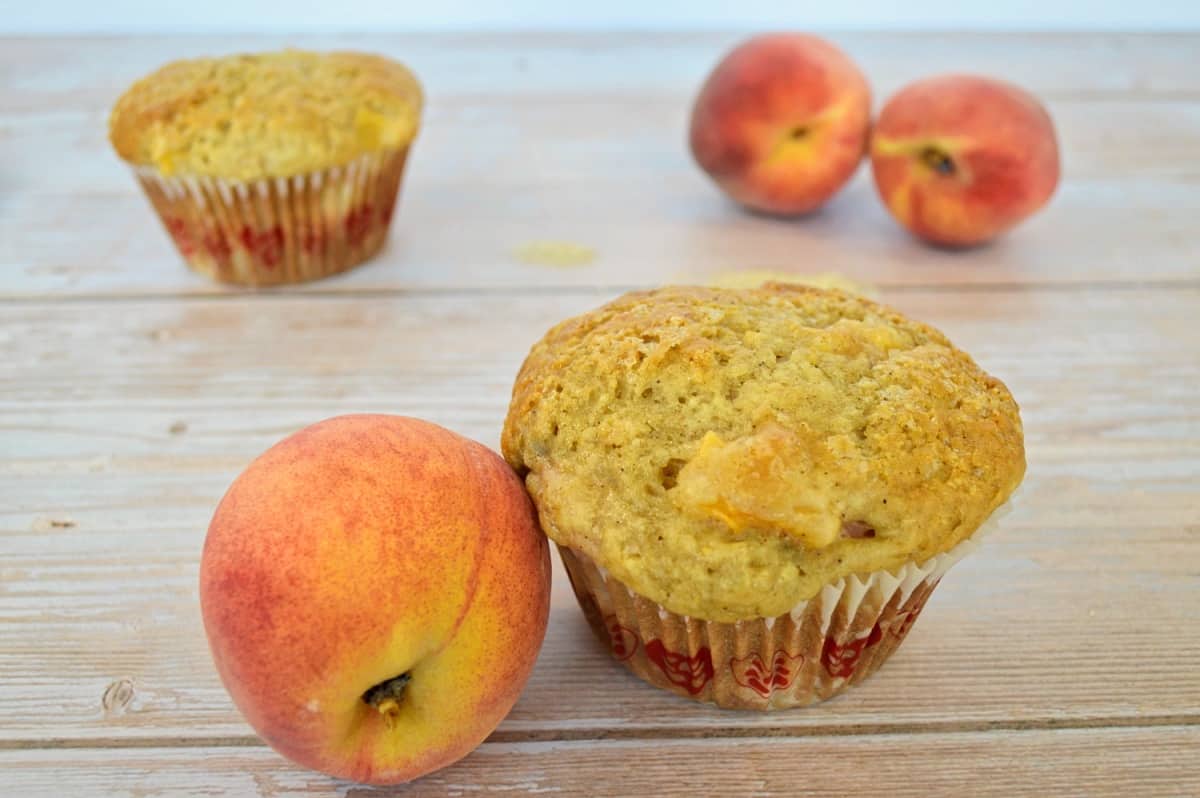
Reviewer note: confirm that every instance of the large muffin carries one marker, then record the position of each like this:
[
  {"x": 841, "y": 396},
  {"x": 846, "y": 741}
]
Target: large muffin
[
  {"x": 726, "y": 458},
  {"x": 274, "y": 167}
]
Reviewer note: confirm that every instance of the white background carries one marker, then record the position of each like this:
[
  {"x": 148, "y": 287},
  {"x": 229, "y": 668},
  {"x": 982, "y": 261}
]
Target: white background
[{"x": 162, "y": 16}]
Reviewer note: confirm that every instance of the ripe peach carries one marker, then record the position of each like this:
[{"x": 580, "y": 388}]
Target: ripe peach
[
  {"x": 782, "y": 122},
  {"x": 959, "y": 159},
  {"x": 375, "y": 590}
]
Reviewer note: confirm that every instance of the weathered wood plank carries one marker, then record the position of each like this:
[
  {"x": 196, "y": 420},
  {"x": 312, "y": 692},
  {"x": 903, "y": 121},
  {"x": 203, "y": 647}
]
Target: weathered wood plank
[
  {"x": 581, "y": 138},
  {"x": 53, "y": 73},
  {"x": 128, "y": 419},
  {"x": 1096, "y": 232},
  {"x": 1093, "y": 762},
  {"x": 1058, "y": 660},
  {"x": 1014, "y": 636}
]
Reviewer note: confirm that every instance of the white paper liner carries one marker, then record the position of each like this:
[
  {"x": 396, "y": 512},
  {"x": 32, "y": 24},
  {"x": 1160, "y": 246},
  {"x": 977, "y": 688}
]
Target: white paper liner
[
  {"x": 825, "y": 644},
  {"x": 279, "y": 230}
]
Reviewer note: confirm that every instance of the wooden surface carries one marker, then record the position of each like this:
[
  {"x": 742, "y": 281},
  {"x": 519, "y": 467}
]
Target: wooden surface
[{"x": 1063, "y": 658}]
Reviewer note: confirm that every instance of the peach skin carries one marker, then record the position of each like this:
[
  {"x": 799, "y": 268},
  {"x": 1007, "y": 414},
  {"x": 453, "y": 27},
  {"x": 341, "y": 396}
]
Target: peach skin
[
  {"x": 960, "y": 159},
  {"x": 375, "y": 591},
  {"x": 782, "y": 122}
]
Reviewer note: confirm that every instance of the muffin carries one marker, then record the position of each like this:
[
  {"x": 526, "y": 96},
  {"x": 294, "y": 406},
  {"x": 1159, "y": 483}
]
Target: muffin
[
  {"x": 755, "y": 491},
  {"x": 271, "y": 168}
]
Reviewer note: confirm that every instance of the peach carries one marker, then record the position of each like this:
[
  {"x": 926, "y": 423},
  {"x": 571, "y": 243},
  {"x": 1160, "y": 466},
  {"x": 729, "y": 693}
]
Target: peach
[
  {"x": 375, "y": 591},
  {"x": 782, "y": 122},
  {"x": 959, "y": 159}
]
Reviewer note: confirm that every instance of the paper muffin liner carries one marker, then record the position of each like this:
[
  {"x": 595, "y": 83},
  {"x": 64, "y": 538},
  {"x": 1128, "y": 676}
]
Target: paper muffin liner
[
  {"x": 824, "y": 645},
  {"x": 279, "y": 230}
]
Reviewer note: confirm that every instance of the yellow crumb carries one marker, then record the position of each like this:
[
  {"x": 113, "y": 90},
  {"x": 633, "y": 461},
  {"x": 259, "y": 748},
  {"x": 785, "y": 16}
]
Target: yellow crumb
[
  {"x": 723, "y": 451},
  {"x": 554, "y": 253},
  {"x": 267, "y": 115},
  {"x": 753, "y": 278}
]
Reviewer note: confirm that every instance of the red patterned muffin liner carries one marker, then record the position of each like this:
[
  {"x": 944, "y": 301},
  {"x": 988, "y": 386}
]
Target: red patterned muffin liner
[
  {"x": 823, "y": 646},
  {"x": 279, "y": 230}
]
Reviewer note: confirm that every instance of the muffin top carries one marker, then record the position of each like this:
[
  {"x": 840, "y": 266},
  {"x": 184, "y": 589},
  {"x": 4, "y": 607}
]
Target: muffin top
[
  {"x": 246, "y": 117},
  {"x": 727, "y": 453}
]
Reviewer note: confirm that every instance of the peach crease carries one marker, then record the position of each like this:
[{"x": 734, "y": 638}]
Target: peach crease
[{"x": 824, "y": 645}]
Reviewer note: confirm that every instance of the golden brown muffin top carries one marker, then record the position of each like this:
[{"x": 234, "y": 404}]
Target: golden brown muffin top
[
  {"x": 246, "y": 117},
  {"x": 727, "y": 453}
]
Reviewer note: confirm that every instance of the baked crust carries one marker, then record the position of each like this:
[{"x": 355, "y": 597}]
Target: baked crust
[{"x": 727, "y": 453}]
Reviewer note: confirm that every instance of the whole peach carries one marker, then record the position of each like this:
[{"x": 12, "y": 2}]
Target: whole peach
[
  {"x": 959, "y": 159},
  {"x": 375, "y": 591},
  {"x": 782, "y": 122}
]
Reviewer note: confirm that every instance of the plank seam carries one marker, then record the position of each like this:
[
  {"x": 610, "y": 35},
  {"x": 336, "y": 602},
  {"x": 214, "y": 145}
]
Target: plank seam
[
  {"x": 569, "y": 290},
  {"x": 663, "y": 733}
]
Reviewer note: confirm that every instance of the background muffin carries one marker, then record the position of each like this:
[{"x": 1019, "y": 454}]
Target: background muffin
[
  {"x": 755, "y": 490},
  {"x": 271, "y": 168}
]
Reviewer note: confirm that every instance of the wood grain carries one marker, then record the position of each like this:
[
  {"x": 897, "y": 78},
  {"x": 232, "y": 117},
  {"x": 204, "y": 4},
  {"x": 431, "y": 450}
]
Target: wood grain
[
  {"x": 581, "y": 139},
  {"x": 645, "y": 230},
  {"x": 1092, "y": 762},
  {"x": 51, "y": 73},
  {"x": 1060, "y": 659},
  {"x": 999, "y": 647},
  {"x": 127, "y": 419}
]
